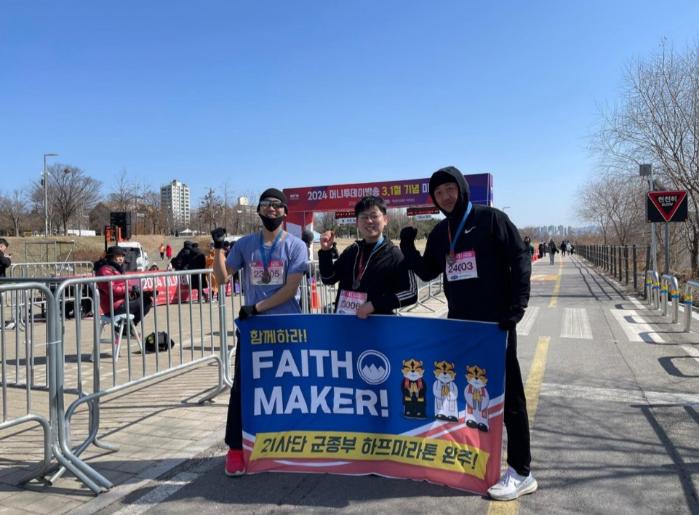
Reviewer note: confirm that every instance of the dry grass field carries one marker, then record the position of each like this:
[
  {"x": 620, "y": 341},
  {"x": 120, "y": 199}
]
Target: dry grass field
[{"x": 91, "y": 248}]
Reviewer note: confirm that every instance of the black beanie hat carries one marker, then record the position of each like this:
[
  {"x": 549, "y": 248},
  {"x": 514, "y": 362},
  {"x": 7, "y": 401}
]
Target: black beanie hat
[{"x": 274, "y": 193}]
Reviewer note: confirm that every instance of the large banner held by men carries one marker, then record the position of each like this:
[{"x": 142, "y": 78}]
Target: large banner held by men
[{"x": 404, "y": 397}]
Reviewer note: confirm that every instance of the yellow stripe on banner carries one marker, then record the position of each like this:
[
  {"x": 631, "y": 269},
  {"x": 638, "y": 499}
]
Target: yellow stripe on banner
[
  {"x": 425, "y": 452},
  {"x": 531, "y": 390},
  {"x": 557, "y": 287}
]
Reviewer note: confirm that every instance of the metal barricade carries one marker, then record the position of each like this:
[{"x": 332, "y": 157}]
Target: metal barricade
[
  {"x": 50, "y": 269},
  {"x": 182, "y": 304},
  {"x": 688, "y": 303},
  {"x": 669, "y": 290},
  {"x": 20, "y": 301},
  {"x": 53, "y": 424}
]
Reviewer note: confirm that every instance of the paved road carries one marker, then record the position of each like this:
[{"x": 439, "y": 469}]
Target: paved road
[{"x": 613, "y": 392}]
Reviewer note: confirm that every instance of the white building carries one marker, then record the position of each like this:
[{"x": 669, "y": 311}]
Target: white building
[{"x": 174, "y": 198}]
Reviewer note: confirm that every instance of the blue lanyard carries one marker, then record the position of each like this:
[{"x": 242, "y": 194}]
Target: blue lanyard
[
  {"x": 267, "y": 257},
  {"x": 360, "y": 271},
  {"x": 379, "y": 242},
  {"x": 452, "y": 243}
]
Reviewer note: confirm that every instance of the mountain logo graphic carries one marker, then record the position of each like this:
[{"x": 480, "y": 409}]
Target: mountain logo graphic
[{"x": 373, "y": 367}]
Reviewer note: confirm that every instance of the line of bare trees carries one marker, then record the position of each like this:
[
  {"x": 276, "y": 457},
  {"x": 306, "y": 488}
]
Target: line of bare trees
[
  {"x": 75, "y": 201},
  {"x": 657, "y": 122}
]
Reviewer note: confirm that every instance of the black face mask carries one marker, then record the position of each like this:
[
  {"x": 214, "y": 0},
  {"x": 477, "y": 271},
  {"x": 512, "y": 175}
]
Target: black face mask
[{"x": 271, "y": 224}]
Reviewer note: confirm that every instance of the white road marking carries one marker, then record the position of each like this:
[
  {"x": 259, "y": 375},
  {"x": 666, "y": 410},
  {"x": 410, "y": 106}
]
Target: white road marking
[
  {"x": 159, "y": 494},
  {"x": 635, "y": 327},
  {"x": 525, "y": 325},
  {"x": 618, "y": 395},
  {"x": 691, "y": 351},
  {"x": 576, "y": 324}
]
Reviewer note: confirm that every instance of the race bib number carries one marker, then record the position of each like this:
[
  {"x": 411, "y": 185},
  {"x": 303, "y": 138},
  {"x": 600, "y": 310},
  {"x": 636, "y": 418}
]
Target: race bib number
[
  {"x": 274, "y": 275},
  {"x": 463, "y": 266},
  {"x": 350, "y": 301}
]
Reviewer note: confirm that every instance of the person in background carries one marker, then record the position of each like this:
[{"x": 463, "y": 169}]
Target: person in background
[
  {"x": 196, "y": 260},
  {"x": 111, "y": 265},
  {"x": 161, "y": 249},
  {"x": 552, "y": 251},
  {"x": 181, "y": 260},
  {"x": 5, "y": 257},
  {"x": 168, "y": 251},
  {"x": 213, "y": 284},
  {"x": 307, "y": 238}
]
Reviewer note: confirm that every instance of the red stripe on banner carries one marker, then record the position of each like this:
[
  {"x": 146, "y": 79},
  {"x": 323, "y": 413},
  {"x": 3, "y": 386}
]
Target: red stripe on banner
[{"x": 384, "y": 468}]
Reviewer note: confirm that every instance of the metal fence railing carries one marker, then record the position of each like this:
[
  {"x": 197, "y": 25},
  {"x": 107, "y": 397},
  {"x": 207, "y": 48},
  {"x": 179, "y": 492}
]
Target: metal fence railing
[
  {"x": 626, "y": 263},
  {"x": 50, "y": 269},
  {"x": 77, "y": 340}
]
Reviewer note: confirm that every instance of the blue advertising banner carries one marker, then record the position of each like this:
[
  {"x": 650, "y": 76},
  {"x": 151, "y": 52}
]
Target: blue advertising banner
[{"x": 407, "y": 397}]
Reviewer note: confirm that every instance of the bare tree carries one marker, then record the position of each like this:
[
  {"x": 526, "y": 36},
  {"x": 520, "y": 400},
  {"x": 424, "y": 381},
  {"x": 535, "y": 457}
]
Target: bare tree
[
  {"x": 124, "y": 194},
  {"x": 616, "y": 205},
  {"x": 658, "y": 122},
  {"x": 13, "y": 208},
  {"x": 211, "y": 209},
  {"x": 71, "y": 192}
]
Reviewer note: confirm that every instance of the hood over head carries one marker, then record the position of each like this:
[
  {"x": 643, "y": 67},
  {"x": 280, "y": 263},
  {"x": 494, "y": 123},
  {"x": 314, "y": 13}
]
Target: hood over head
[{"x": 451, "y": 174}]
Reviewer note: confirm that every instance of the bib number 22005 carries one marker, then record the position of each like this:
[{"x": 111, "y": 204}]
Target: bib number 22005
[{"x": 463, "y": 266}]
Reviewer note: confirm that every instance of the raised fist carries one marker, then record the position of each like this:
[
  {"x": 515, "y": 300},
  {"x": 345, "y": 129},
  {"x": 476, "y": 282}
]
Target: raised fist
[
  {"x": 407, "y": 238},
  {"x": 326, "y": 240},
  {"x": 218, "y": 235}
]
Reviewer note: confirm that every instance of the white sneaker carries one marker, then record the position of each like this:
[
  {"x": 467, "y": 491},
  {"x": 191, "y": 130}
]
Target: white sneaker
[{"x": 512, "y": 485}]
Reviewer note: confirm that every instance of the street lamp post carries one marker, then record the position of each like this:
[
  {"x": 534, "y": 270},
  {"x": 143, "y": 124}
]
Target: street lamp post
[{"x": 46, "y": 196}]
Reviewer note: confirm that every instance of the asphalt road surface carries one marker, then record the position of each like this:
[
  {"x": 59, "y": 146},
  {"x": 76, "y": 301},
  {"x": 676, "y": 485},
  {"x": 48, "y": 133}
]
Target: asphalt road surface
[{"x": 613, "y": 393}]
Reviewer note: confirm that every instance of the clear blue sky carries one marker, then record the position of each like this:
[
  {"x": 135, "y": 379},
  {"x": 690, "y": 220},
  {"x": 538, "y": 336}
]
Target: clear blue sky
[{"x": 302, "y": 93}]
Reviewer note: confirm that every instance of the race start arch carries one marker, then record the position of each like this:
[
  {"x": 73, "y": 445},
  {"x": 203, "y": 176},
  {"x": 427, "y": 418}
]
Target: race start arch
[{"x": 412, "y": 193}]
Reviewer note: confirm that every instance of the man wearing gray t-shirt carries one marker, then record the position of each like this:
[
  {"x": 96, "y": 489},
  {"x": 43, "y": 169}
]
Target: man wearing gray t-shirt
[{"x": 273, "y": 263}]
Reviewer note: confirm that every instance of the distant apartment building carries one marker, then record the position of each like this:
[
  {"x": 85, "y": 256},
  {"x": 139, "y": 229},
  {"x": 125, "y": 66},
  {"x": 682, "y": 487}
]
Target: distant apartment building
[{"x": 174, "y": 198}]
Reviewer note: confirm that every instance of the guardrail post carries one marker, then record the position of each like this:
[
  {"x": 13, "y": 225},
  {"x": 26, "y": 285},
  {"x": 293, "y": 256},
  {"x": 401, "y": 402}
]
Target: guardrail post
[
  {"x": 635, "y": 282},
  {"x": 663, "y": 294},
  {"x": 675, "y": 296},
  {"x": 620, "y": 268},
  {"x": 688, "y": 304},
  {"x": 626, "y": 263}
]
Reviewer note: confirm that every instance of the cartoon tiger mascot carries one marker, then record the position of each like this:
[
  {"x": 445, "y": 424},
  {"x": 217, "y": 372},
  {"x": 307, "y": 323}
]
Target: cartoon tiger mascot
[
  {"x": 413, "y": 389},
  {"x": 477, "y": 398},
  {"x": 445, "y": 392}
]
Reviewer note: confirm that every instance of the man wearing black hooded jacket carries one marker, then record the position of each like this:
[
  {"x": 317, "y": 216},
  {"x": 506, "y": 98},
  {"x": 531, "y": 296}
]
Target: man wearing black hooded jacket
[{"x": 486, "y": 270}]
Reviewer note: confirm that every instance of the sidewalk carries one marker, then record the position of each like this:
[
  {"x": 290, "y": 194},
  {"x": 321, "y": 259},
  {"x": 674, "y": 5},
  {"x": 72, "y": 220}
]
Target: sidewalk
[{"x": 156, "y": 426}]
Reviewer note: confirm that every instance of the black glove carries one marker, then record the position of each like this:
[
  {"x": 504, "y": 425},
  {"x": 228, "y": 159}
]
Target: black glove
[
  {"x": 247, "y": 311},
  {"x": 508, "y": 321},
  {"x": 506, "y": 324},
  {"x": 219, "y": 236},
  {"x": 407, "y": 238}
]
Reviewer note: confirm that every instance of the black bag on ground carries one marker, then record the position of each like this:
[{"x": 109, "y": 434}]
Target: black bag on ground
[{"x": 163, "y": 341}]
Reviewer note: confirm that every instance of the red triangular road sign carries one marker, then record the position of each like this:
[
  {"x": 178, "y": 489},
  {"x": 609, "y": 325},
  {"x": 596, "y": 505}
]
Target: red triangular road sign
[{"x": 667, "y": 202}]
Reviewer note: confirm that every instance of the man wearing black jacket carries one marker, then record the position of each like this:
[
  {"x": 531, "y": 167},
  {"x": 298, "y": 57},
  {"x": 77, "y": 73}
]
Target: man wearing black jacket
[
  {"x": 486, "y": 271},
  {"x": 5, "y": 259},
  {"x": 371, "y": 272}
]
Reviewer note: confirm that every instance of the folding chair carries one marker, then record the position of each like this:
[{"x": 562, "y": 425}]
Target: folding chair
[{"x": 120, "y": 322}]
